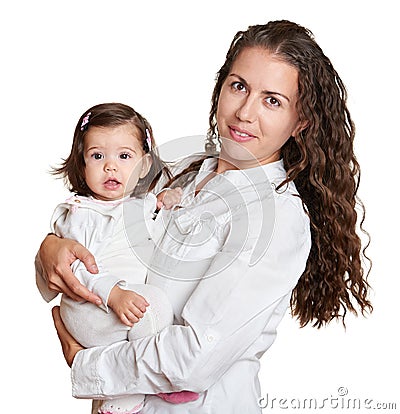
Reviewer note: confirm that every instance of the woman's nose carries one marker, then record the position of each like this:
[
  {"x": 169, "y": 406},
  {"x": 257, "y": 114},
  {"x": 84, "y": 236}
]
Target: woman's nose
[{"x": 247, "y": 111}]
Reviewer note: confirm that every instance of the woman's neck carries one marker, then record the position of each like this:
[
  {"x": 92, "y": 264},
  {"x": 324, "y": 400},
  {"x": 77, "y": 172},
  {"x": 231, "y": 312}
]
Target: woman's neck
[{"x": 223, "y": 165}]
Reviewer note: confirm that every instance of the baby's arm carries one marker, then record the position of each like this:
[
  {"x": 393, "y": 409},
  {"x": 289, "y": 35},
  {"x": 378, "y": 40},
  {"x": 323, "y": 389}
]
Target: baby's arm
[
  {"x": 127, "y": 305},
  {"x": 169, "y": 197},
  {"x": 94, "y": 231}
]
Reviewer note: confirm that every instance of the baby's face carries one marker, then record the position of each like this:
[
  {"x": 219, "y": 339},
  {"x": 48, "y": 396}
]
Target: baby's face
[{"x": 115, "y": 160}]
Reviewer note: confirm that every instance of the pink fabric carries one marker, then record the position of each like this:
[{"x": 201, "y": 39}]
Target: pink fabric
[{"x": 179, "y": 397}]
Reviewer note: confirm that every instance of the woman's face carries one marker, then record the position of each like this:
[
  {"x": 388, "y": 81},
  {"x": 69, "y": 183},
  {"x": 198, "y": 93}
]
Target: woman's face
[{"x": 256, "y": 111}]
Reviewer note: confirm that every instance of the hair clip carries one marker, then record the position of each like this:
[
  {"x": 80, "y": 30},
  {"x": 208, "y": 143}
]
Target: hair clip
[
  {"x": 148, "y": 139},
  {"x": 85, "y": 122}
]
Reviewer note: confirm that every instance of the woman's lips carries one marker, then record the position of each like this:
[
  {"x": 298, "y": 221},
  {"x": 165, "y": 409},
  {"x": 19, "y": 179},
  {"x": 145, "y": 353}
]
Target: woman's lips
[{"x": 240, "y": 135}]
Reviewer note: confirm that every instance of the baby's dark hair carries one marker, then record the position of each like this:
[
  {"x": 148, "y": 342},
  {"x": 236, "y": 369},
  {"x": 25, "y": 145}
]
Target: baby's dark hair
[{"x": 107, "y": 115}]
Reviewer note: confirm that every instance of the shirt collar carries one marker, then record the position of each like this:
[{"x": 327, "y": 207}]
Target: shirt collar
[
  {"x": 231, "y": 185},
  {"x": 273, "y": 172}
]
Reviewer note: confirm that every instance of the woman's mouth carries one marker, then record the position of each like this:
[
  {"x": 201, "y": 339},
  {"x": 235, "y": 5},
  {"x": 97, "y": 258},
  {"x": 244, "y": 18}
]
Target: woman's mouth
[{"x": 239, "y": 135}]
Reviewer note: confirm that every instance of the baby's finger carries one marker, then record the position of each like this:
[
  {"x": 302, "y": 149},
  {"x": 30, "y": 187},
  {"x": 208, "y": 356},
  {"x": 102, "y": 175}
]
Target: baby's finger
[
  {"x": 141, "y": 303},
  {"x": 125, "y": 320},
  {"x": 137, "y": 312},
  {"x": 134, "y": 311},
  {"x": 131, "y": 317}
]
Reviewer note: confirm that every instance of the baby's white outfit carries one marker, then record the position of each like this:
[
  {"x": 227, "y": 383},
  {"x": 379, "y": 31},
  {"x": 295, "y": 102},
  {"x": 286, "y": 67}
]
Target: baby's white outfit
[{"x": 120, "y": 234}]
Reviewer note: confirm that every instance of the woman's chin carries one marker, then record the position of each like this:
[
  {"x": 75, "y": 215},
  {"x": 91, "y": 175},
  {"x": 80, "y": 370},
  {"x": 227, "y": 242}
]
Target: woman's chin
[{"x": 232, "y": 151}]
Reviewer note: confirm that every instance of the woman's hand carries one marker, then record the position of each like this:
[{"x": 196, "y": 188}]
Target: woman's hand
[
  {"x": 69, "y": 346},
  {"x": 56, "y": 256}
]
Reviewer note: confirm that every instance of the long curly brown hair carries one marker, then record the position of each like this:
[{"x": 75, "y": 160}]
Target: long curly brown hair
[{"x": 321, "y": 161}]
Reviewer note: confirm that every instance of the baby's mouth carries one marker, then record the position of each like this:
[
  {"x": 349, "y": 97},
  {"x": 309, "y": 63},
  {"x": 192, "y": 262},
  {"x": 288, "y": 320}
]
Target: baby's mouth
[{"x": 112, "y": 183}]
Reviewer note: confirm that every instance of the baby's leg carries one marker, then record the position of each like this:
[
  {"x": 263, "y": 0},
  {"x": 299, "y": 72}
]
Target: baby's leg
[
  {"x": 90, "y": 325},
  {"x": 157, "y": 316}
]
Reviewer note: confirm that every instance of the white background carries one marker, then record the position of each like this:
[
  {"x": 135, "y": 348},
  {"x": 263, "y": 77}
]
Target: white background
[{"x": 57, "y": 59}]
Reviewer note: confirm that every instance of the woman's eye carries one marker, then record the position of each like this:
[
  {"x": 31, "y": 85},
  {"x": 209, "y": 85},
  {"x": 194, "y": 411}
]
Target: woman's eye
[
  {"x": 97, "y": 156},
  {"x": 272, "y": 101},
  {"x": 238, "y": 86},
  {"x": 125, "y": 156}
]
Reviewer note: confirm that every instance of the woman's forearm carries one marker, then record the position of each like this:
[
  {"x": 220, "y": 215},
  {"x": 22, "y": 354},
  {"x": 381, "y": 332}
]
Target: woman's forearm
[{"x": 179, "y": 358}]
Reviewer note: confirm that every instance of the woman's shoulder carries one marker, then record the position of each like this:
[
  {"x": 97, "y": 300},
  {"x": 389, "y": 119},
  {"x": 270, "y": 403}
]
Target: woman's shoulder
[
  {"x": 287, "y": 198},
  {"x": 289, "y": 205}
]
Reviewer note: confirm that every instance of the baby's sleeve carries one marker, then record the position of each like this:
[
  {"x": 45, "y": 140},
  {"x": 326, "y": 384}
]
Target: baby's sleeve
[{"x": 94, "y": 231}]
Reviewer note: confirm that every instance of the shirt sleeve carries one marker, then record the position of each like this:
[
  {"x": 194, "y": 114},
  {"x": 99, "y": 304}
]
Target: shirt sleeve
[{"x": 238, "y": 300}]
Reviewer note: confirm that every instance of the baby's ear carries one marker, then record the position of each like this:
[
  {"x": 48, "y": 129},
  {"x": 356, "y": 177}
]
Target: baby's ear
[{"x": 146, "y": 165}]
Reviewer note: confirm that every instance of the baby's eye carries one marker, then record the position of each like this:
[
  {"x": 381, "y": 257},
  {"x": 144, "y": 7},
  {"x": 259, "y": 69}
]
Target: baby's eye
[
  {"x": 97, "y": 156},
  {"x": 238, "y": 86},
  {"x": 272, "y": 101},
  {"x": 125, "y": 156}
]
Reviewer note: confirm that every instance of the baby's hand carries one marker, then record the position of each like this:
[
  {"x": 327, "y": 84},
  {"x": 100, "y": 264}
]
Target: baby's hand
[
  {"x": 127, "y": 305},
  {"x": 169, "y": 198}
]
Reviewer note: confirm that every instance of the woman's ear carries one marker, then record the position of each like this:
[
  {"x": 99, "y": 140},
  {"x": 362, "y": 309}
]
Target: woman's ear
[
  {"x": 146, "y": 165},
  {"x": 301, "y": 126}
]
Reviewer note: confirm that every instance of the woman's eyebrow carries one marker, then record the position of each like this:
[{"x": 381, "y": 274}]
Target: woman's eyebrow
[
  {"x": 265, "y": 92},
  {"x": 240, "y": 79},
  {"x": 276, "y": 93}
]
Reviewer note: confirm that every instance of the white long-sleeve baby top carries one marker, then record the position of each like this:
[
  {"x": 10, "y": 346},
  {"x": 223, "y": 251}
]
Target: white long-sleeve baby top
[{"x": 119, "y": 235}]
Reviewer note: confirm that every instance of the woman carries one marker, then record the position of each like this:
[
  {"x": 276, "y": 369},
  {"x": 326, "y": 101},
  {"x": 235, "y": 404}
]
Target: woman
[{"x": 267, "y": 222}]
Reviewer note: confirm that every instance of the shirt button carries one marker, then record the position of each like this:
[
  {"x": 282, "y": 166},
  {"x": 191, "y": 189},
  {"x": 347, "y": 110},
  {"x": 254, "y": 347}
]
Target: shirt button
[{"x": 210, "y": 338}]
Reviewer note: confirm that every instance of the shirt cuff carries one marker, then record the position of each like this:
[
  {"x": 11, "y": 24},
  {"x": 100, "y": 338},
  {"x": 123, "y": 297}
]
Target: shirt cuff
[
  {"x": 86, "y": 383},
  {"x": 103, "y": 288}
]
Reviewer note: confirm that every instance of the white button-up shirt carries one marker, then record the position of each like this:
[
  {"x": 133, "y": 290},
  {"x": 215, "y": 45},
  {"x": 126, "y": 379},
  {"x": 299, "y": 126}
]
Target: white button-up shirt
[{"x": 228, "y": 261}]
